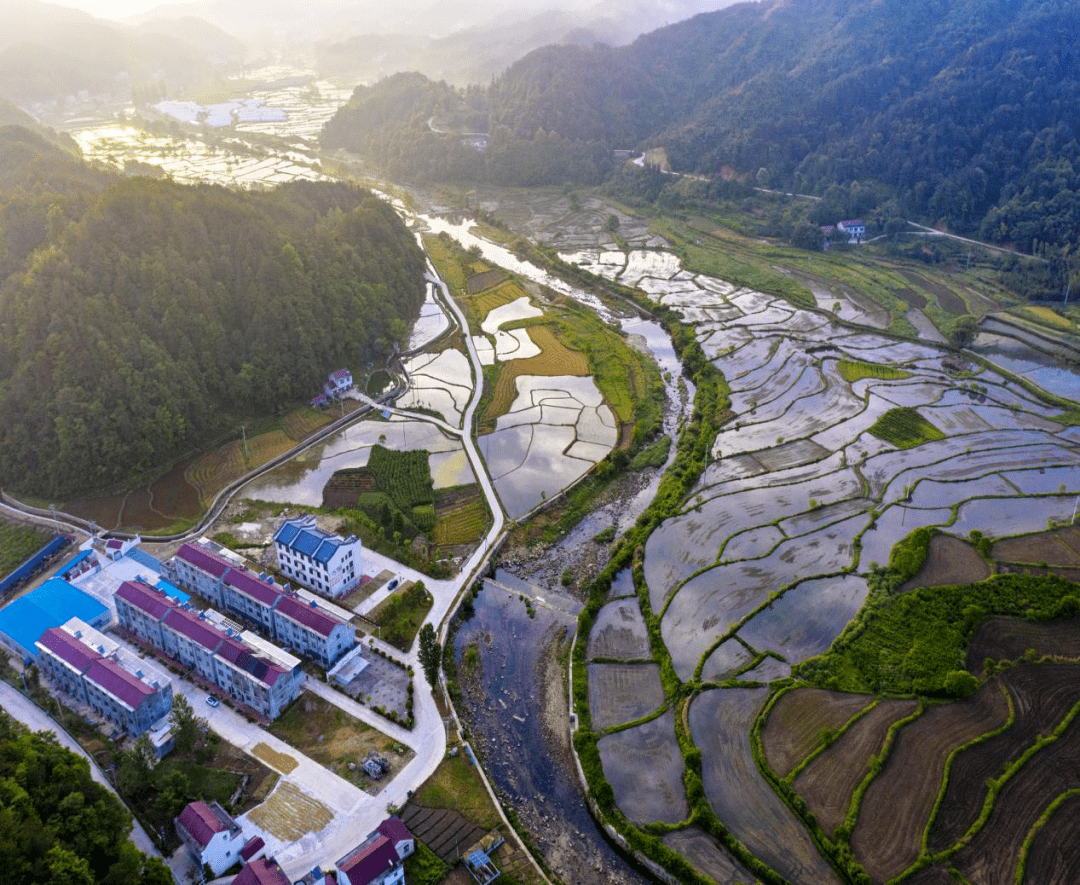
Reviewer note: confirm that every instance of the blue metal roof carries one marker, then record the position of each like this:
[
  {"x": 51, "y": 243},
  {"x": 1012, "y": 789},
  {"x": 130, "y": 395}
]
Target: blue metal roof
[
  {"x": 286, "y": 533},
  {"x": 169, "y": 590},
  {"x": 53, "y": 603},
  {"x": 73, "y": 562}
]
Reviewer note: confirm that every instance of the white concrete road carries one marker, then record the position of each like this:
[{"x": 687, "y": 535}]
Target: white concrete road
[{"x": 33, "y": 717}]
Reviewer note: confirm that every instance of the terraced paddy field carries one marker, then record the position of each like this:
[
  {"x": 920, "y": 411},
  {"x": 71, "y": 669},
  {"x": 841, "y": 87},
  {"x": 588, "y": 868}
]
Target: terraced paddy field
[{"x": 843, "y": 441}]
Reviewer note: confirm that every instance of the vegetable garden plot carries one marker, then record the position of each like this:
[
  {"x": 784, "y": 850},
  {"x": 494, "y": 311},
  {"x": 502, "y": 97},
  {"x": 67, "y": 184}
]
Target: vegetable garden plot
[
  {"x": 621, "y": 693},
  {"x": 706, "y": 856},
  {"x": 727, "y": 658},
  {"x": 798, "y": 720},
  {"x": 998, "y": 518},
  {"x": 829, "y": 781},
  {"x": 720, "y": 722},
  {"x": 645, "y": 768},
  {"x": 1042, "y": 696},
  {"x": 897, "y": 805},
  {"x": 619, "y": 631},
  {"x": 993, "y": 854},
  {"x": 807, "y": 618}
]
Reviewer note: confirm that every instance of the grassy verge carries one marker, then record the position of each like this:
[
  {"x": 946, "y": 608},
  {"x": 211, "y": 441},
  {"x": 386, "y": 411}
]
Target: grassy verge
[
  {"x": 18, "y": 543},
  {"x": 399, "y": 617}
]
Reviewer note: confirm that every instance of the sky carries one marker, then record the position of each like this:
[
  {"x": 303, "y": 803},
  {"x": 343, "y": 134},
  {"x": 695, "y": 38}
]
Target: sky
[{"x": 116, "y": 9}]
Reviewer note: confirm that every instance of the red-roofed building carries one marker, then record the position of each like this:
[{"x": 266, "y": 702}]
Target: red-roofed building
[
  {"x": 211, "y": 835},
  {"x": 378, "y": 859},
  {"x": 257, "y": 599},
  {"x": 311, "y": 630},
  {"x": 264, "y": 871},
  {"x": 141, "y": 608},
  {"x": 130, "y": 693}
]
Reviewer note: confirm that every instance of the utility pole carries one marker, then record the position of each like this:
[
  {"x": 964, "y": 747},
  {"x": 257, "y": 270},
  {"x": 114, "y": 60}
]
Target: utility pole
[{"x": 243, "y": 436}]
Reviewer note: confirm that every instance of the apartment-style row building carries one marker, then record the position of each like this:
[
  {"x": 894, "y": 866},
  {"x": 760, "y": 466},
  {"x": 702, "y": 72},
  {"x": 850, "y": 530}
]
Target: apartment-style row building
[
  {"x": 91, "y": 668},
  {"x": 255, "y": 676},
  {"x": 281, "y": 614}
]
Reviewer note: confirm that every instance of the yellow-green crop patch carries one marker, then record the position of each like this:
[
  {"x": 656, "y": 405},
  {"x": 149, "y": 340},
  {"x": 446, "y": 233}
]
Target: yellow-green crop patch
[
  {"x": 855, "y": 370},
  {"x": 504, "y": 293},
  {"x": 905, "y": 428}
]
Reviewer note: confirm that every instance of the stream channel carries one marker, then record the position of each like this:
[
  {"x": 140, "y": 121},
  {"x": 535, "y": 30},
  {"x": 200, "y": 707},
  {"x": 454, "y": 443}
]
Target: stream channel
[{"x": 513, "y": 677}]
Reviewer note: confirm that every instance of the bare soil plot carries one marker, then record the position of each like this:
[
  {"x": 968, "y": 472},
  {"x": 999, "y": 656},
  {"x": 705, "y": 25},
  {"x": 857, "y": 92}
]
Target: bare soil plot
[
  {"x": 992, "y": 855},
  {"x": 336, "y": 740},
  {"x": 935, "y": 875},
  {"x": 897, "y": 805},
  {"x": 950, "y": 561},
  {"x": 1008, "y": 639},
  {"x": 797, "y": 721},
  {"x": 645, "y": 768},
  {"x": 828, "y": 783},
  {"x": 620, "y": 693},
  {"x": 720, "y": 722},
  {"x": 619, "y": 631},
  {"x": 1058, "y": 547},
  {"x": 288, "y": 814},
  {"x": 707, "y": 856},
  {"x": 1042, "y": 695},
  {"x": 1054, "y": 855}
]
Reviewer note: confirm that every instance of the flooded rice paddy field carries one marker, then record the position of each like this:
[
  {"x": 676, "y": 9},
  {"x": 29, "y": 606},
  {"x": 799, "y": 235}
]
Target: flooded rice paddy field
[
  {"x": 301, "y": 480},
  {"x": 767, "y": 562}
]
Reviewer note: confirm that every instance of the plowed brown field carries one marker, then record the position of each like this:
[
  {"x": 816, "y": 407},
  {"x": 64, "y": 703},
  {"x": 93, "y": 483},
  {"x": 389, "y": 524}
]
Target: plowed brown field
[
  {"x": 796, "y": 723},
  {"x": 897, "y": 805},
  {"x": 1059, "y": 547},
  {"x": 949, "y": 561},
  {"x": 1054, "y": 855},
  {"x": 992, "y": 856},
  {"x": 1007, "y": 639},
  {"x": 1042, "y": 696},
  {"x": 828, "y": 783}
]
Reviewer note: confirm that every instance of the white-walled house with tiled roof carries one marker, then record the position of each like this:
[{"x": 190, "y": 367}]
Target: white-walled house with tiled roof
[
  {"x": 325, "y": 563},
  {"x": 211, "y": 834}
]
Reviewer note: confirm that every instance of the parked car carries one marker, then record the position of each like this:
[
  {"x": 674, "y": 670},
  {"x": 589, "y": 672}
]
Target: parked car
[{"x": 212, "y": 700}]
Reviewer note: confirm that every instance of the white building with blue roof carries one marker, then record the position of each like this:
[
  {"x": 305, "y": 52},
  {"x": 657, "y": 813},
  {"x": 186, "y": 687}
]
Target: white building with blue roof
[{"x": 325, "y": 563}]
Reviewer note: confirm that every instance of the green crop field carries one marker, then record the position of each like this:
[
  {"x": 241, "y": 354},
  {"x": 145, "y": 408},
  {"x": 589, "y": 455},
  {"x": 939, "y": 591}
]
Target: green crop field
[
  {"x": 854, "y": 370},
  {"x": 905, "y": 428},
  {"x": 18, "y": 543}
]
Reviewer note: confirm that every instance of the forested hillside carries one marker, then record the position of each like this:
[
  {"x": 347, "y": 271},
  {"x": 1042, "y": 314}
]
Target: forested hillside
[
  {"x": 56, "y": 824},
  {"x": 964, "y": 113},
  {"x": 140, "y": 318}
]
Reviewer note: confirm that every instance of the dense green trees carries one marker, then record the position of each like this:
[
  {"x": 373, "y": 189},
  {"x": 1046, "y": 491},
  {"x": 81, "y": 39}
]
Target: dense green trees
[
  {"x": 142, "y": 317},
  {"x": 961, "y": 113},
  {"x": 56, "y": 824}
]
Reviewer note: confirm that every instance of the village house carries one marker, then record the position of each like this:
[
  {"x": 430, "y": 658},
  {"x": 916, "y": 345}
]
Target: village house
[
  {"x": 264, "y": 871},
  {"x": 378, "y": 859},
  {"x": 338, "y": 382},
  {"x": 325, "y": 563},
  {"x": 211, "y": 835},
  {"x": 854, "y": 229}
]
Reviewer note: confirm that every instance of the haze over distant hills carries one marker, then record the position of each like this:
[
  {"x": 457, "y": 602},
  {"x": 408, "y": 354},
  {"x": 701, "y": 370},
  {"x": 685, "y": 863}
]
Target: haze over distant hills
[{"x": 958, "y": 112}]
